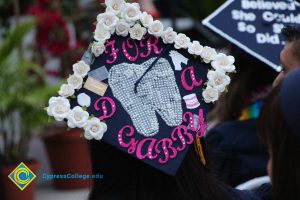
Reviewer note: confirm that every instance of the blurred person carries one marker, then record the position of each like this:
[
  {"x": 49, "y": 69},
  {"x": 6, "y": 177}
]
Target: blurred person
[
  {"x": 126, "y": 178},
  {"x": 290, "y": 54},
  {"x": 149, "y": 7},
  {"x": 279, "y": 128},
  {"x": 233, "y": 145}
]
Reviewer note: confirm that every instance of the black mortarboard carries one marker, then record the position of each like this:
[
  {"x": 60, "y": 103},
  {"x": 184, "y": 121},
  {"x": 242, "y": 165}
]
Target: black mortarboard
[{"x": 142, "y": 88}]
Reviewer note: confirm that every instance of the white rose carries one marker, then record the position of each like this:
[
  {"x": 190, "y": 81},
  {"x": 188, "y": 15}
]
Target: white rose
[
  {"x": 210, "y": 94},
  {"x": 131, "y": 13},
  {"x": 75, "y": 81},
  {"x": 104, "y": 126},
  {"x": 156, "y": 28},
  {"x": 59, "y": 108},
  {"x": 81, "y": 69},
  {"x": 137, "y": 5},
  {"x": 114, "y": 6},
  {"x": 169, "y": 36},
  {"x": 66, "y": 90},
  {"x": 137, "y": 32},
  {"x": 77, "y": 117},
  {"x": 94, "y": 129},
  {"x": 122, "y": 28},
  {"x": 98, "y": 48},
  {"x": 223, "y": 62},
  {"x": 101, "y": 33},
  {"x": 109, "y": 20},
  {"x": 146, "y": 19},
  {"x": 218, "y": 80},
  {"x": 208, "y": 54},
  {"x": 182, "y": 41},
  {"x": 195, "y": 48}
]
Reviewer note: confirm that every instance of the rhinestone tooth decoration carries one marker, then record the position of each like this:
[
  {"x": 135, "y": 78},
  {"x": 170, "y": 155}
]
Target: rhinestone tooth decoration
[{"x": 155, "y": 93}]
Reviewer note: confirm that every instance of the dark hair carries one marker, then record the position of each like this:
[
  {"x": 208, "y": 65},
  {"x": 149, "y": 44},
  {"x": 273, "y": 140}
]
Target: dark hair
[
  {"x": 292, "y": 34},
  {"x": 252, "y": 77},
  {"x": 284, "y": 149},
  {"x": 126, "y": 177}
]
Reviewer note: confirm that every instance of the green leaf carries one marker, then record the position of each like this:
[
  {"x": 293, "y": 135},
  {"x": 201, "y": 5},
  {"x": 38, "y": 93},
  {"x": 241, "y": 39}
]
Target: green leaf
[
  {"x": 50, "y": 119},
  {"x": 103, "y": 5},
  {"x": 38, "y": 97},
  {"x": 15, "y": 38}
]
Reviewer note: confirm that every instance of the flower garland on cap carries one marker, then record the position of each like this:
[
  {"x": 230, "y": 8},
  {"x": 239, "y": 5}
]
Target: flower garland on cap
[{"x": 125, "y": 19}]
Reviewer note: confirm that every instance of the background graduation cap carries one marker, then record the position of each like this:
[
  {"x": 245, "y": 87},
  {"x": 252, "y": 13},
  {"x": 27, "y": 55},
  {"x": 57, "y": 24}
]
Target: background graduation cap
[
  {"x": 142, "y": 88},
  {"x": 255, "y": 26}
]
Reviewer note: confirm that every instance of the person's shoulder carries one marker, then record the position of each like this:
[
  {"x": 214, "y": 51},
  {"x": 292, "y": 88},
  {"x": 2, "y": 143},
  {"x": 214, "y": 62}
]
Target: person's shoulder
[
  {"x": 231, "y": 130},
  {"x": 247, "y": 195},
  {"x": 264, "y": 191},
  {"x": 236, "y": 125}
]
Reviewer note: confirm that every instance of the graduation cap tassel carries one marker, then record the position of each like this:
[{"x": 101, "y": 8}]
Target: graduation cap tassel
[{"x": 199, "y": 150}]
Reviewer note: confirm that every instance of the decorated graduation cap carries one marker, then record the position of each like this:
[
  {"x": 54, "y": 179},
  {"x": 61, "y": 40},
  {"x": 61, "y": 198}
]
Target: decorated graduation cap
[
  {"x": 255, "y": 26},
  {"x": 142, "y": 88}
]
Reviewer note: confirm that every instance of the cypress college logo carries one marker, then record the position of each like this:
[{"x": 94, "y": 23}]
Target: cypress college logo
[{"x": 22, "y": 176}]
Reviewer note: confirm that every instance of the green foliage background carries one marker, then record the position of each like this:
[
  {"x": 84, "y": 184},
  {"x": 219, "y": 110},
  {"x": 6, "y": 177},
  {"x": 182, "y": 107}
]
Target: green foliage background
[{"x": 23, "y": 92}]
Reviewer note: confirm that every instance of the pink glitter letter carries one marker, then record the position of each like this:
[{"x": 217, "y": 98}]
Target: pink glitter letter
[
  {"x": 105, "y": 100},
  {"x": 192, "y": 76}
]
